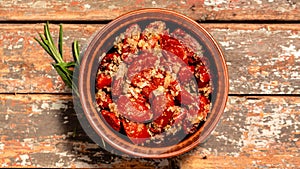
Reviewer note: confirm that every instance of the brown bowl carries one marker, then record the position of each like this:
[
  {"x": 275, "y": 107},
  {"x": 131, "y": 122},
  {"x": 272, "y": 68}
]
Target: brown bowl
[{"x": 103, "y": 41}]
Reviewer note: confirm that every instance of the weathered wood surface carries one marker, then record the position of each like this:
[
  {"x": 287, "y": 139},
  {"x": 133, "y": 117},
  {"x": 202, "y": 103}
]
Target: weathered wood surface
[
  {"x": 259, "y": 129},
  {"x": 15, "y": 10},
  {"x": 41, "y": 130},
  {"x": 261, "y": 58}
]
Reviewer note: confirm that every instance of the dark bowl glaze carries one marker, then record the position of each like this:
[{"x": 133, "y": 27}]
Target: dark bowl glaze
[{"x": 103, "y": 41}]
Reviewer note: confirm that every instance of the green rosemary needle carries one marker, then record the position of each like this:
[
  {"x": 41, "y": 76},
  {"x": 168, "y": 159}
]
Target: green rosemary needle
[{"x": 64, "y": 69}]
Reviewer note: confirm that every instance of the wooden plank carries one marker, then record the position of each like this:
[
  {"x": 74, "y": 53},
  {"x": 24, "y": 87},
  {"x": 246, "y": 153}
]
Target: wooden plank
[
  {"x": 254, "y": 132},
  {"x": 15, "y": 10},
  {"x": 262, "y": 59}
]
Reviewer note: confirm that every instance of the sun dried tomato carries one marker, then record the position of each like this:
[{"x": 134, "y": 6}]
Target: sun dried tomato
[
  {"x": 186, "y": 73},
  {"x": 109, "y": 57},
  {"x": 126, "y": 59},
  {"x": 116, "y": 87},
  {"x": 203, "y": 106},
  {"x": 103, "y": 81},
  {"x": 161, "y": 121},
  {"x": 161, "y": 103},
  {"x": 141, "y": 78},
  {"x": 184, "y": 97},
  {"x": 178, "y": 116},
  {"x": 146, "y": 91},
  {"x": 203, "y": 76},
  {"x": 172, "y": 45},
  {"x": 136, "y": 132},
  {"x": 142, "y": 62},
  {"x": 133, "y": 110},
  {"x": 191, "y": 121},
  {"x": 127, "y": 48},
  {"x": 140, "y": 102},
  {"x": 112, "y": 119},
  {"x": 104, "y": 100}
]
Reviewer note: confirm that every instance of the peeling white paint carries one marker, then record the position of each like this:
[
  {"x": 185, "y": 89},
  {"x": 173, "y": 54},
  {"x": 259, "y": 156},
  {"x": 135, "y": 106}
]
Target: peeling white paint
[
  {"x": 215, "y": 2},
  {"x": 59, "y": 164},
  {"x": 45, "y": 105},
  {"x": 35, "y": 108},
  {"x": 4, "y": 165},
  {"x": 6, "y": 117},
  {"x": 264, "y": 128},
  {"x": 24, "y": 158},
  {"x": 290, "y": 50},
  {"x": 1, "y": 146},
  {"x": 10, "y": 47},
  {"x": 87, "y": 6}
]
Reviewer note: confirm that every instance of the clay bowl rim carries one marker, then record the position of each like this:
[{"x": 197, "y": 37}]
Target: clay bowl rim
[{"x": 87, "y": 91}]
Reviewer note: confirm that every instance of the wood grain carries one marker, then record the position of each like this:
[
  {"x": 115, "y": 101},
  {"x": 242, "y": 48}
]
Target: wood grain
[
  {"x": 262, "y": 59},
  {"x": 42, "y": 130},
  {"x": 91, "y": 10}
]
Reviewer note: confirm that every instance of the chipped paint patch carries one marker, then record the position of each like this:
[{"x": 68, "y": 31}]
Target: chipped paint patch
[
  {"x": 87, "y": 6},
  {"x": 264, "y": 124},
  {"x": 290, "y": 50},
  {"x": 1, "y": 146}
]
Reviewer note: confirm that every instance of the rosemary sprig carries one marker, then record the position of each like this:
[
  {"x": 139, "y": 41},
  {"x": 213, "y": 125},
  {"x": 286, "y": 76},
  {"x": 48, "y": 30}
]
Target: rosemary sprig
[{"x": 64, "y": 69}]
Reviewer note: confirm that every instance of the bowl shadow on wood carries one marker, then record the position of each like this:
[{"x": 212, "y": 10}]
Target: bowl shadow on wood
[{"x": 81, "y": 144}]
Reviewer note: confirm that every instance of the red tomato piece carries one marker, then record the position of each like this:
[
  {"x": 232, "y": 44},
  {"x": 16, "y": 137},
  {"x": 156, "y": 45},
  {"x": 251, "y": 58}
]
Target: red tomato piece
[
  {"x": 144, "y": 61},
  {"x": 204, "y": 106},
  {"x": 196, "y": 114},
  {"x": 133, "y": 110},
  {"x": 137, "y": 132},
  {"x": 103, "y": 81},
  {"x": 190, "y": 122},
  {"x": 161, "y": 103},
  {"x": 139, "y": 103},
  {"x": 184, "y": 97},
  {"x": 146, "y": 91},
  {"x": 116, "y": 89},
  {"x": 109, "y": 57},
  {"x": 186, "y": 73},
  {"x": 125, "y": 57},
  {"x": 127, "y": 48},
  {"x": 162, "y": 121},
  {"x": 158, "y": 81},
  {"x": 204, "y": 77},
  {"x": 104, "y": 101},
  {"x": 178, "y": 117},
  {"x": 112, "y": 119},
  {"x": 172, "y": 45}
]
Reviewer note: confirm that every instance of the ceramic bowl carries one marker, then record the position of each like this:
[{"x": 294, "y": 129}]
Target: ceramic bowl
[{"x": 103, "y": 41}]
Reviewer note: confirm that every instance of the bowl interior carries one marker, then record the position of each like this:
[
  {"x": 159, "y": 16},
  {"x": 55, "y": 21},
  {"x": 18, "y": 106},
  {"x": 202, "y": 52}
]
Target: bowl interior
[{"x": 103, "y": 41}]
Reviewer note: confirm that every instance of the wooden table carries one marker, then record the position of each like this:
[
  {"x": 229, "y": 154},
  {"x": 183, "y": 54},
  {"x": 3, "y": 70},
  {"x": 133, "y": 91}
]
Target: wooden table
[{"x": 259, "y": 129}]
